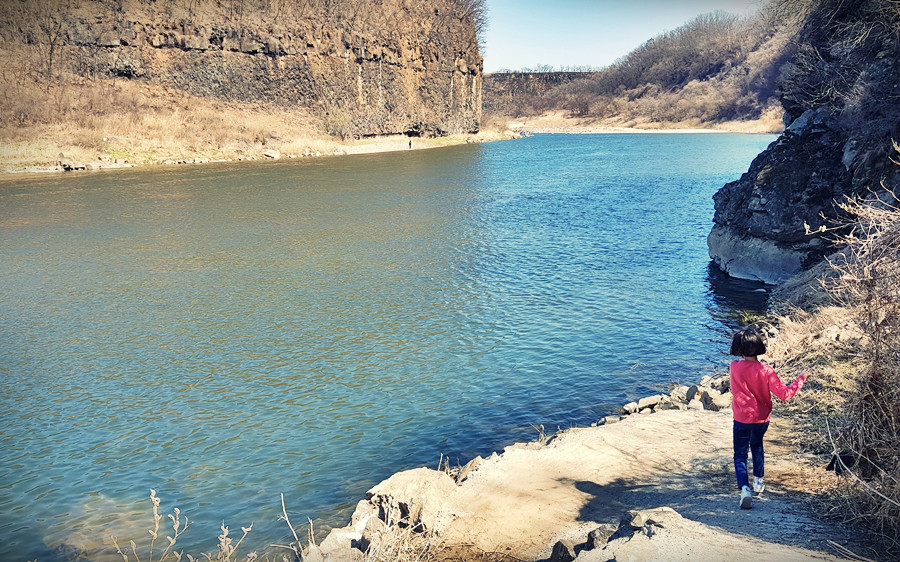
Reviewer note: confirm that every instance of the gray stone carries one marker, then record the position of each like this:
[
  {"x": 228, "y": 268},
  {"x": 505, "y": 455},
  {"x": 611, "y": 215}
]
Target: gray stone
[
  {"x": 649, "y": 401},
  {"x": 271, "y": 153},
  {"x": 707, "y": 397},
  {"x": 69, "y": 165},
  {"x": 670, "y": 405},
  {"x": 722, "y": 383},
  {"x": 563, "y": 551},
  {"x": 714, "y": 401},
  {"x": 756, "y": 259},
  {"x": 695, "y": 404},
  {"x": 630, "y": 408},
  {"x": 679, "y": 393},
  {"x": 109, "y": 39},
  {"x": 599, "y": 536},
  {"x": 658, "y": 517},
  {"x": 194, "y": 43},
  {"x": 692, "y": 392}
]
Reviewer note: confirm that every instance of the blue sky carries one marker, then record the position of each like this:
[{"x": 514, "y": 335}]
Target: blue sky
[{"x": 525, "y": 33}]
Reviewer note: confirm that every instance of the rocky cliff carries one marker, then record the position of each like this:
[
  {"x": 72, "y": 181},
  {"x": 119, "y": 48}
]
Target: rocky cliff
[
  {"x": 842, "y": 101},
  {"x": 367, "y": 68}
]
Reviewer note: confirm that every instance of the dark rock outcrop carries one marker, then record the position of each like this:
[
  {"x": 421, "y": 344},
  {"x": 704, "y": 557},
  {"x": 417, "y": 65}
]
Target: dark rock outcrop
[{"x": 840, "y": 93}]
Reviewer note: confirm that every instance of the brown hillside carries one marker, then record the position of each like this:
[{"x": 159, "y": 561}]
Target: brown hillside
[{"x": 345, "y": 67}]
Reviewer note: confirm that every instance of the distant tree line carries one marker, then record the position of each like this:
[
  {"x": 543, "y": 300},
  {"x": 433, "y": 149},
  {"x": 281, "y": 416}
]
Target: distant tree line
[
  {"x": 545, "y": 68},
  {"x": 717, "y": 67}
]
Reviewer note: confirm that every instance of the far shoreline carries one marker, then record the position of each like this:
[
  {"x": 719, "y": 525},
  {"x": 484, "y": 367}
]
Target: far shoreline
[
  {"x": 72, "y": 158},
  {"x": 329, "y": 147}
]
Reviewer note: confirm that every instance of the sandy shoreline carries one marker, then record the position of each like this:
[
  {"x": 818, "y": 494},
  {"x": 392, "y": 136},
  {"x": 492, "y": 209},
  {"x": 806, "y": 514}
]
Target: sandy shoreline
[
  {"x": 657, "y": 484},
  {"x": 559, "y": 122},
  {"x": 599, "y": 130},
  {"x": 392, "y": 143},
  {"x": 548, "y": 124}
]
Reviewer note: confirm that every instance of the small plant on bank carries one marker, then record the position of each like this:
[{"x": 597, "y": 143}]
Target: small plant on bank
[{"x": 227, "y": 547}]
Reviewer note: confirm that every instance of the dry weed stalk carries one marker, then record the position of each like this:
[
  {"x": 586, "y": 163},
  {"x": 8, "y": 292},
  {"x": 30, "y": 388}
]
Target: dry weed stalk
[
  {"x": 396, "y": 544},
  {"x": 177, "y": 531}
]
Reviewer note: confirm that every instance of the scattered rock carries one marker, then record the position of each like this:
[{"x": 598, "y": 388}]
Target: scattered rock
[
  {"x": 364, "y": 511},
  {"x": 671, "y": 405},
  {"x": 599, "y": 537},
  {"x": 695, "y": 404},
  {"x": 692, "y": 392},
  {"x": 679, "y": 393},
  {"x": 658, "y": 517},
  {"x": 468, "y": 469},
  {"x": 713, "y": 400},
  {"x": 649, "y": 401},
  {"x": 563, "y": 551},
  {"x": 630, "y": 408},
  {"x": 271, "y": 153}
]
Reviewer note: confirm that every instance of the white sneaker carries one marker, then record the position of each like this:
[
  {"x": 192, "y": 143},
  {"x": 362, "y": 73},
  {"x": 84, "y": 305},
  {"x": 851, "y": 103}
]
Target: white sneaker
[
  {"x": 746, "y": 498},
  {"x": 758, "y": 485}
]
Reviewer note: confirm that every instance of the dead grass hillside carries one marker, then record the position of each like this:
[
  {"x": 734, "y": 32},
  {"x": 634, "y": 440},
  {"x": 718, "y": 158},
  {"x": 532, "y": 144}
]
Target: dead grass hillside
[{"x": 715, "y": 71}]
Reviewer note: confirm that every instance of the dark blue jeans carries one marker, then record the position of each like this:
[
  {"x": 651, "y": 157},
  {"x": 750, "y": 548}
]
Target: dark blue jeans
[{"x": 748, "y": 436}]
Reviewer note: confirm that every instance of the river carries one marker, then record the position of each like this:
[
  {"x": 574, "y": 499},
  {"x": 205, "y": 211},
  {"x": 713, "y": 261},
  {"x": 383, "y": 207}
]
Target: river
[{"x": 227, "y": 332}]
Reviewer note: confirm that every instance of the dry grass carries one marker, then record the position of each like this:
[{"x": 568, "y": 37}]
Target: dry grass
[
  {"x": 137, "y": 122},
  {"x": 850, "y": 336}
]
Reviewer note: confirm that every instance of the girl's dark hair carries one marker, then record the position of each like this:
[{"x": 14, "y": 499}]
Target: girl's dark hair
[{"x": 748, "y": 343}]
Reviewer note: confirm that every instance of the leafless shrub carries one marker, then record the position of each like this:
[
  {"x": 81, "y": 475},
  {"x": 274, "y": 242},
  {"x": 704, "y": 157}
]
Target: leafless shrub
[
  {"x": 868, "y": 283},
  {"x": 846, "y": 60}
]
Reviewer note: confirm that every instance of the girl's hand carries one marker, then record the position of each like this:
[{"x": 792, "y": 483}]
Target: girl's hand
[{"x": 805, "y": 374}]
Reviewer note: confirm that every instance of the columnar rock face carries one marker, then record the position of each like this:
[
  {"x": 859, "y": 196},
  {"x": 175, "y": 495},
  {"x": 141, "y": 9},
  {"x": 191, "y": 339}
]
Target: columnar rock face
[
  {"x": 840, "y": 93},
  {"x": 366, "y": 67}
]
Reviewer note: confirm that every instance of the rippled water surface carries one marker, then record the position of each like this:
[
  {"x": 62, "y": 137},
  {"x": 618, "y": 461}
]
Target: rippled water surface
[{"x": 225, "y": 333}]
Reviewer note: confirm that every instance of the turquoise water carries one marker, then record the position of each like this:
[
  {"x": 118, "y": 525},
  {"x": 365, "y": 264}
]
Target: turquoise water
[{"x": 226, "y": 333}]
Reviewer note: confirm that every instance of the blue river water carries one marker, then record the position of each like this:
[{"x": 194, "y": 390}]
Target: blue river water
[{"x": 226, "y": 333}]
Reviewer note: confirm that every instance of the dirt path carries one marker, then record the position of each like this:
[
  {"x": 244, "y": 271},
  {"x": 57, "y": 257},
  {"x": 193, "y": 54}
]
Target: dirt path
[{"x": 524, "y": 501}]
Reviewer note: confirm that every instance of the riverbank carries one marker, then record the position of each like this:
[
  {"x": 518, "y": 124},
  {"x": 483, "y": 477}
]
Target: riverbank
[
  {"x": 561, "y": 122},
  {"x": 68, "y": 160},
  {"x": 654, "y": 483},
  {"x": 122, "y": 123},
  {"x": 657, "y": 482}
]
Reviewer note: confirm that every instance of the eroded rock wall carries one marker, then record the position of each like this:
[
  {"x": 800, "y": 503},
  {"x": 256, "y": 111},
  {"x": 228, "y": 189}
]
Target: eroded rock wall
[
  {"x": 842, "y": 101},
  {"x": 366, "y": 67}
]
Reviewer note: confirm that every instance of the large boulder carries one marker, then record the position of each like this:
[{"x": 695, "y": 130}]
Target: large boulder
[{"x": 412, "y": 497}]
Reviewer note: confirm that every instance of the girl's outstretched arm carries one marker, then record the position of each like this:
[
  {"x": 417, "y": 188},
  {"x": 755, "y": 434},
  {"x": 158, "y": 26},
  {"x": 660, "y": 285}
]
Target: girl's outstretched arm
[{"x": 782, "y": 391}]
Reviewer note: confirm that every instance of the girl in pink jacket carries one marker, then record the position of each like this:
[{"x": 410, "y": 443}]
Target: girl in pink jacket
[{"x": 752, "y": 386}]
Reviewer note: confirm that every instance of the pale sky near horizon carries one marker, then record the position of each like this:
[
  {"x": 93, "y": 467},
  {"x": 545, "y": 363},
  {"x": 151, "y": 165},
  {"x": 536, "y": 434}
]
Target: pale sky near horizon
[{"x": 525, "y": 33}]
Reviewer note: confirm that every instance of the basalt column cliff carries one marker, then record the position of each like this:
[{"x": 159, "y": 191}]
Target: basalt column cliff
[
  {"x": 841, "y": 94},
  {"x": 365, "y": 67}
]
